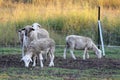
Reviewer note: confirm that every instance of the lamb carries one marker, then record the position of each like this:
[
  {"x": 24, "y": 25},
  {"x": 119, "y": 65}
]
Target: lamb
[
  {"x": 81, "y": 43},
  {"x": 40, "y": 47}
]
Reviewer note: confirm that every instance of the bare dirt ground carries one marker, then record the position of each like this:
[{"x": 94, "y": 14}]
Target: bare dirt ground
[{"x": 69, "y": 63}]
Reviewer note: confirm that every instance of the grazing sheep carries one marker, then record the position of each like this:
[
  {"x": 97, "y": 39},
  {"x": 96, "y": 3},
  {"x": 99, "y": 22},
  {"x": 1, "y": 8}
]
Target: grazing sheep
[
  {"x": 81, "y": 43},
  {"x": 40, "y": 47}
]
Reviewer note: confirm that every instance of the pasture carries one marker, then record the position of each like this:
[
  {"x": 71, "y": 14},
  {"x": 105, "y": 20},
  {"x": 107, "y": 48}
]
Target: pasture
[
  {"x": 107, "y": 68},
  {"x": 60, "y": 18}
]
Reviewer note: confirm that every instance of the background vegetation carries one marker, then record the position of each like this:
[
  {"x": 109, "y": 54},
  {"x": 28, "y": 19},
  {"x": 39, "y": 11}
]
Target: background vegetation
[{"x": 60, "y": 18}]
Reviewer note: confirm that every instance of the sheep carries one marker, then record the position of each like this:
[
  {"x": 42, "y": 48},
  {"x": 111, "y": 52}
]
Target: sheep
[
  {"x": 22, "y": 40},
  {"x": 35, "y": 32},
  {"x": 81, "y": 43},
  {"x": 30, "y": 33},
  {"x": 40, "y": 47}
]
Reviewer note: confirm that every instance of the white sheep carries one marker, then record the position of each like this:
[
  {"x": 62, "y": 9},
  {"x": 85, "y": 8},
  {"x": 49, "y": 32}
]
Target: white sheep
[
  {"x": 30, "y": 33},
  {"x": 22, "y": 40},
  {"x": 40, "y": 47},
  {"x": 81, "y": 43}
]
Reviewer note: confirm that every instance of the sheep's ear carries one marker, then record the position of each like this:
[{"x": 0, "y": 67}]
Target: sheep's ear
[
  {"x": 23, "y": 29},
  {"x": 31, "y": 29},
  {"x": 38, "y": 25},
  {"x": 19, "y": 30}
]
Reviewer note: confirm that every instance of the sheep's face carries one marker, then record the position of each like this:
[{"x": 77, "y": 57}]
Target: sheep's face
[
  {"x": 27, "y": 30},
  {"x": 99, "y": 53},
  {"x": 36, "y": 25},
  {"x": 26, "y": 60},
  {"x": 21, "y": 35}
]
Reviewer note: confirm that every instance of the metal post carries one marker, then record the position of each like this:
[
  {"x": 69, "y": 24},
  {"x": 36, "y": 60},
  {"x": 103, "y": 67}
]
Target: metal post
[
  {"x": 98, "y": 27},
  {"x": 100, "y": 37}
]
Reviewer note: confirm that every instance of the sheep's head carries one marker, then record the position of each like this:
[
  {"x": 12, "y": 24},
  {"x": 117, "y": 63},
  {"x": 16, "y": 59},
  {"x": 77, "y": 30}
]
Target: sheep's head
[
  {"x": 99, "y": 53},
  {"x": 27, "y": 59},
  {"x": 36, "y": 25},
  {"x": 27, "y": 30}
]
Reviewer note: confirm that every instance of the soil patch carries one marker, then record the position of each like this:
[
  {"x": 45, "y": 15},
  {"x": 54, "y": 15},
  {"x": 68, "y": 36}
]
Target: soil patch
[{"x": 69, "y": 63}]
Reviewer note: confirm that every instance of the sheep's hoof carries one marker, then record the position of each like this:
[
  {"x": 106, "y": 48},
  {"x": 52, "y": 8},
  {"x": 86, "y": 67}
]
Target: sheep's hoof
[
  {"x": 74, "y": 58},
  {"x": 51, "y": 64},
  {"x": 103, "y": 56},
  {"x": 64, "y": 58},
  {"x": 33, "y": 65},
  {"x": 84, "y": 59}
]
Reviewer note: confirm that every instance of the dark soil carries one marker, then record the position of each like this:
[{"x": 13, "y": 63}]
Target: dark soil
[{"x": 69, "y": 63}]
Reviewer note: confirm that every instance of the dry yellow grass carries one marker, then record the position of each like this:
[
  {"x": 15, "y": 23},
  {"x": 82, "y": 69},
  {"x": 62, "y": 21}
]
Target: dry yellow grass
[
  {"x": 53, "y": 8},
  {"x": 73, "y": 14}
]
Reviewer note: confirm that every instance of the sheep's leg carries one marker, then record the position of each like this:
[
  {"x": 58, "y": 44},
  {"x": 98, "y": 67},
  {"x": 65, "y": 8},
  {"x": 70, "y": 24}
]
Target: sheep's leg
[
  {"x": 85, "y": 52},
  {"x": 23, "y": 50},
  {"x": 46, "y": 54},
  {"x": 72, "y": 54},
  {"x": 41, "y": 58},
  {"x": 64, "y": 55},
  {"x": 87, "y": 55},
  {"x": 34, "y": 61},
  {"x": 51, "y": 58},
  {"x": 50, "y": 55}
]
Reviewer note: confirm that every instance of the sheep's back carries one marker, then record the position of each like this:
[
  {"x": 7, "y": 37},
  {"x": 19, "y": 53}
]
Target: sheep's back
[
  {"x": 79, "y": 42},
  {"x": 42, "y": 44},
  {"x": 42, "y": 33}
]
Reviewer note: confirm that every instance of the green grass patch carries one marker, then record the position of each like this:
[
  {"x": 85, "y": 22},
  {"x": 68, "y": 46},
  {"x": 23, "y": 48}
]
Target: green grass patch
[
  {"x": 111, "y": 52},
  {"x": 56, "y": 73},
  {"x": 10, "y": 50}
]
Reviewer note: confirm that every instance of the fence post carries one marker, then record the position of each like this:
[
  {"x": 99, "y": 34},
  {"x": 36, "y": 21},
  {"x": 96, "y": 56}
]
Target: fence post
[
  {"x": 98, "y": 27},
  {"x": 100, "y": 36}
]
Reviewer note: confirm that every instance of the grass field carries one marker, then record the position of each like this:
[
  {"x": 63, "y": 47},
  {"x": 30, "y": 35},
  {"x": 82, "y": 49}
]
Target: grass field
[
  {"x": 60, "y": 18},
  {"x": 101, "y": 71}
]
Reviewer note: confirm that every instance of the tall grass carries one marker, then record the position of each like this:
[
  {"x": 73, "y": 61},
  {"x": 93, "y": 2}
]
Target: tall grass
[{"x": 68, "y": 16}]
